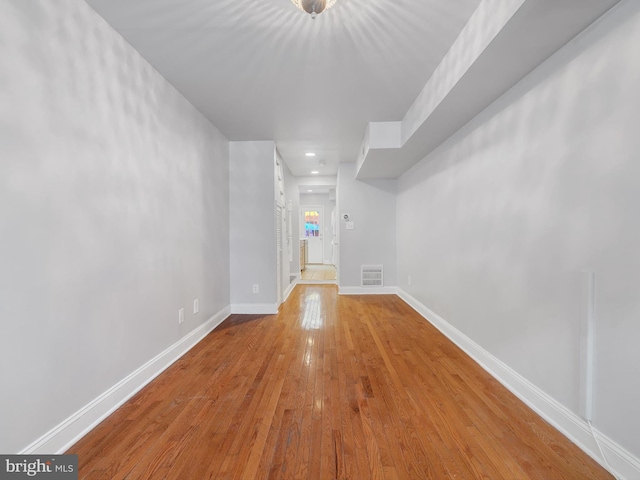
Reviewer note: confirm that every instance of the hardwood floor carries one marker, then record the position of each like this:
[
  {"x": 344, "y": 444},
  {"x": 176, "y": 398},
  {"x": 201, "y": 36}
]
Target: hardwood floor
[
  {"x": 333, "y": 387},
  {"x": 319, "y": 272}
]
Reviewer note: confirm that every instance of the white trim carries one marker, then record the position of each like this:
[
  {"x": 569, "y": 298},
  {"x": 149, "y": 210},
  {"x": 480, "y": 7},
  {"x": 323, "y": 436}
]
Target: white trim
[
  {"x": 255, "y": 308},
  {"x": 288, "y": 290},
  {"x": 624, "y": 464},
  {"x": 368, "y": 290},
  {"x": 317, "y": 282},
  {"x": 61, "y": 437}
]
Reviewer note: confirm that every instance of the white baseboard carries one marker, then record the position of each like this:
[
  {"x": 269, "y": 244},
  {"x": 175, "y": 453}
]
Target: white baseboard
[
  {"x": 367, "y": 290},
  {"x": 623, "y": 463},
  {"x": 288, "y": 290},
  {"x": 255, "y": 308},
  {"x": 60, "y": 438}
]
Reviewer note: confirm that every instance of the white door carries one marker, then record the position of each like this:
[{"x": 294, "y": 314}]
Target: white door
[{"x": 312, "y": 220}]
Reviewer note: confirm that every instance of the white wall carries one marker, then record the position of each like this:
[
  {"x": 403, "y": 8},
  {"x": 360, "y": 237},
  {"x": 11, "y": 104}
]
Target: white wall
[
  {"x": 327, "y": 231},
  {"x": 372, "y": 207},
  {"x": 113, "y": 214},
  {"x": 497, "y": 226},
  {"x": 293, "y": 195},
  {"x": 252, "y": 223}
]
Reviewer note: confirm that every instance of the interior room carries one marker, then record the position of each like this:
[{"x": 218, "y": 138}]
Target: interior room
[{"x": 459, "y": 181}]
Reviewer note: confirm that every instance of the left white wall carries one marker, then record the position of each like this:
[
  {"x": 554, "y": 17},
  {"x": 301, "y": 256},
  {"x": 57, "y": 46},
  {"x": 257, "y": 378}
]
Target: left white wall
[{"x": 114, "y": 213}]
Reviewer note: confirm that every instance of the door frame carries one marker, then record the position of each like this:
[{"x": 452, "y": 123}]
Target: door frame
[{"x": 320, "y": 208}]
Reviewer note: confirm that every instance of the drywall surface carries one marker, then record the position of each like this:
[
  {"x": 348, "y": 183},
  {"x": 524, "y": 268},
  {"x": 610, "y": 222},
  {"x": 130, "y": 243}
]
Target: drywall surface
[
  {"x": 253, "y": 223},
  {"x": 497, "y": 228},
  {"x": 113, "y": 214},
  {"x": 371, "y": 206},
  {"x": 483, "y": 26}
]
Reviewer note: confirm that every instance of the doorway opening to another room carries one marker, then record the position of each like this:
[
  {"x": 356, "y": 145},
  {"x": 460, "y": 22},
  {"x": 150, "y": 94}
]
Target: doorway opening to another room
[
  {"x": 319, "y": 272},
  {"x": 317, "y": 243},
  {"x": 312, "y": 232}
]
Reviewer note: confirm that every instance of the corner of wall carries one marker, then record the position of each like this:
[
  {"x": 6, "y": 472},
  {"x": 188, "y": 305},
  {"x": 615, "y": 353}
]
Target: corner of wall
[{"x": 60, "y": 438}]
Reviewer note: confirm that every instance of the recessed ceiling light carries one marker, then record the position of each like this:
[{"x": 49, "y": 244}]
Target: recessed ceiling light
[
  {"x": 310, "y": 191},
  {"x": 315, "y": 172},
  {"x": 310, "y": 154}
]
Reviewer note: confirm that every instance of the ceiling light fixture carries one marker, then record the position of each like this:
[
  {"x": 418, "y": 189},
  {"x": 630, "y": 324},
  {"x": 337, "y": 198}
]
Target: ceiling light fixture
[
  {"x": 309, "y": 154},
  {"x": 315, "y": 172},
  {"x": 314, "y": 7}
]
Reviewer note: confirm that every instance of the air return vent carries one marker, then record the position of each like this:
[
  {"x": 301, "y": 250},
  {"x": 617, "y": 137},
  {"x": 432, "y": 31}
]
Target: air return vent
[{"x": 371, "y": 275}]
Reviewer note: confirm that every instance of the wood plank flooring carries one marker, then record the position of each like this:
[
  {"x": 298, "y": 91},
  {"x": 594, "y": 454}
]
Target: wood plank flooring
[
  {"x": 333, "y": 387},
  {"x": 319, "y": 272}
]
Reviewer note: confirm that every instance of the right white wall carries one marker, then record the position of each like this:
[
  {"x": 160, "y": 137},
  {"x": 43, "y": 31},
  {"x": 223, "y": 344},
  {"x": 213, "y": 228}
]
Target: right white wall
[{"x": 498, "y": 226}]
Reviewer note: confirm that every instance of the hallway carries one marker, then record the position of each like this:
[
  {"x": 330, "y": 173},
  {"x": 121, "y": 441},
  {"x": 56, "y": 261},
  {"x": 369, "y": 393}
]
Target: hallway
[{"x": 332, "y": 387}]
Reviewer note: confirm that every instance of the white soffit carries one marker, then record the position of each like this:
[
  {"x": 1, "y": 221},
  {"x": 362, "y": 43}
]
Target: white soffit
[
  {"x": 267, "y": 71},
  {"x": 502, "y": 42}
]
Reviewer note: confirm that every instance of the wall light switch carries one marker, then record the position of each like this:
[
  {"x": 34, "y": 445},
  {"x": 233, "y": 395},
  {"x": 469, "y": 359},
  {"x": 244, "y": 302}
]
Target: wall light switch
[
  {"x": 181, "y": 315},
  {"x": 196, "y": 306},
  {"x": 351, "y": 226}
]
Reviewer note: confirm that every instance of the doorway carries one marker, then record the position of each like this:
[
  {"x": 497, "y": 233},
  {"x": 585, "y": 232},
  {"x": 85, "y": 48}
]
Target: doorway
[
  {"x": 312, "y": 221},
  {"x": 319, "y": 273}
]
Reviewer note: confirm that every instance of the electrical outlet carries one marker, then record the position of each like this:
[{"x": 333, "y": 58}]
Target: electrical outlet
[
  {"x": 181, "y": 315},
  {"x": 196, "y": 306},
  {"x": 256, "y": 288}
]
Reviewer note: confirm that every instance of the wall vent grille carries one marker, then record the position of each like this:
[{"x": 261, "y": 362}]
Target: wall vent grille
[{"x": 371, "y": 275}]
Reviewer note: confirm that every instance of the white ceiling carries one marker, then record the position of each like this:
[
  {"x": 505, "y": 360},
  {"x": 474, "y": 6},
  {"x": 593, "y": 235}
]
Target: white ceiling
[
  {"x": 503, "y": 42},
  {"x": 263, "y": 70}
]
